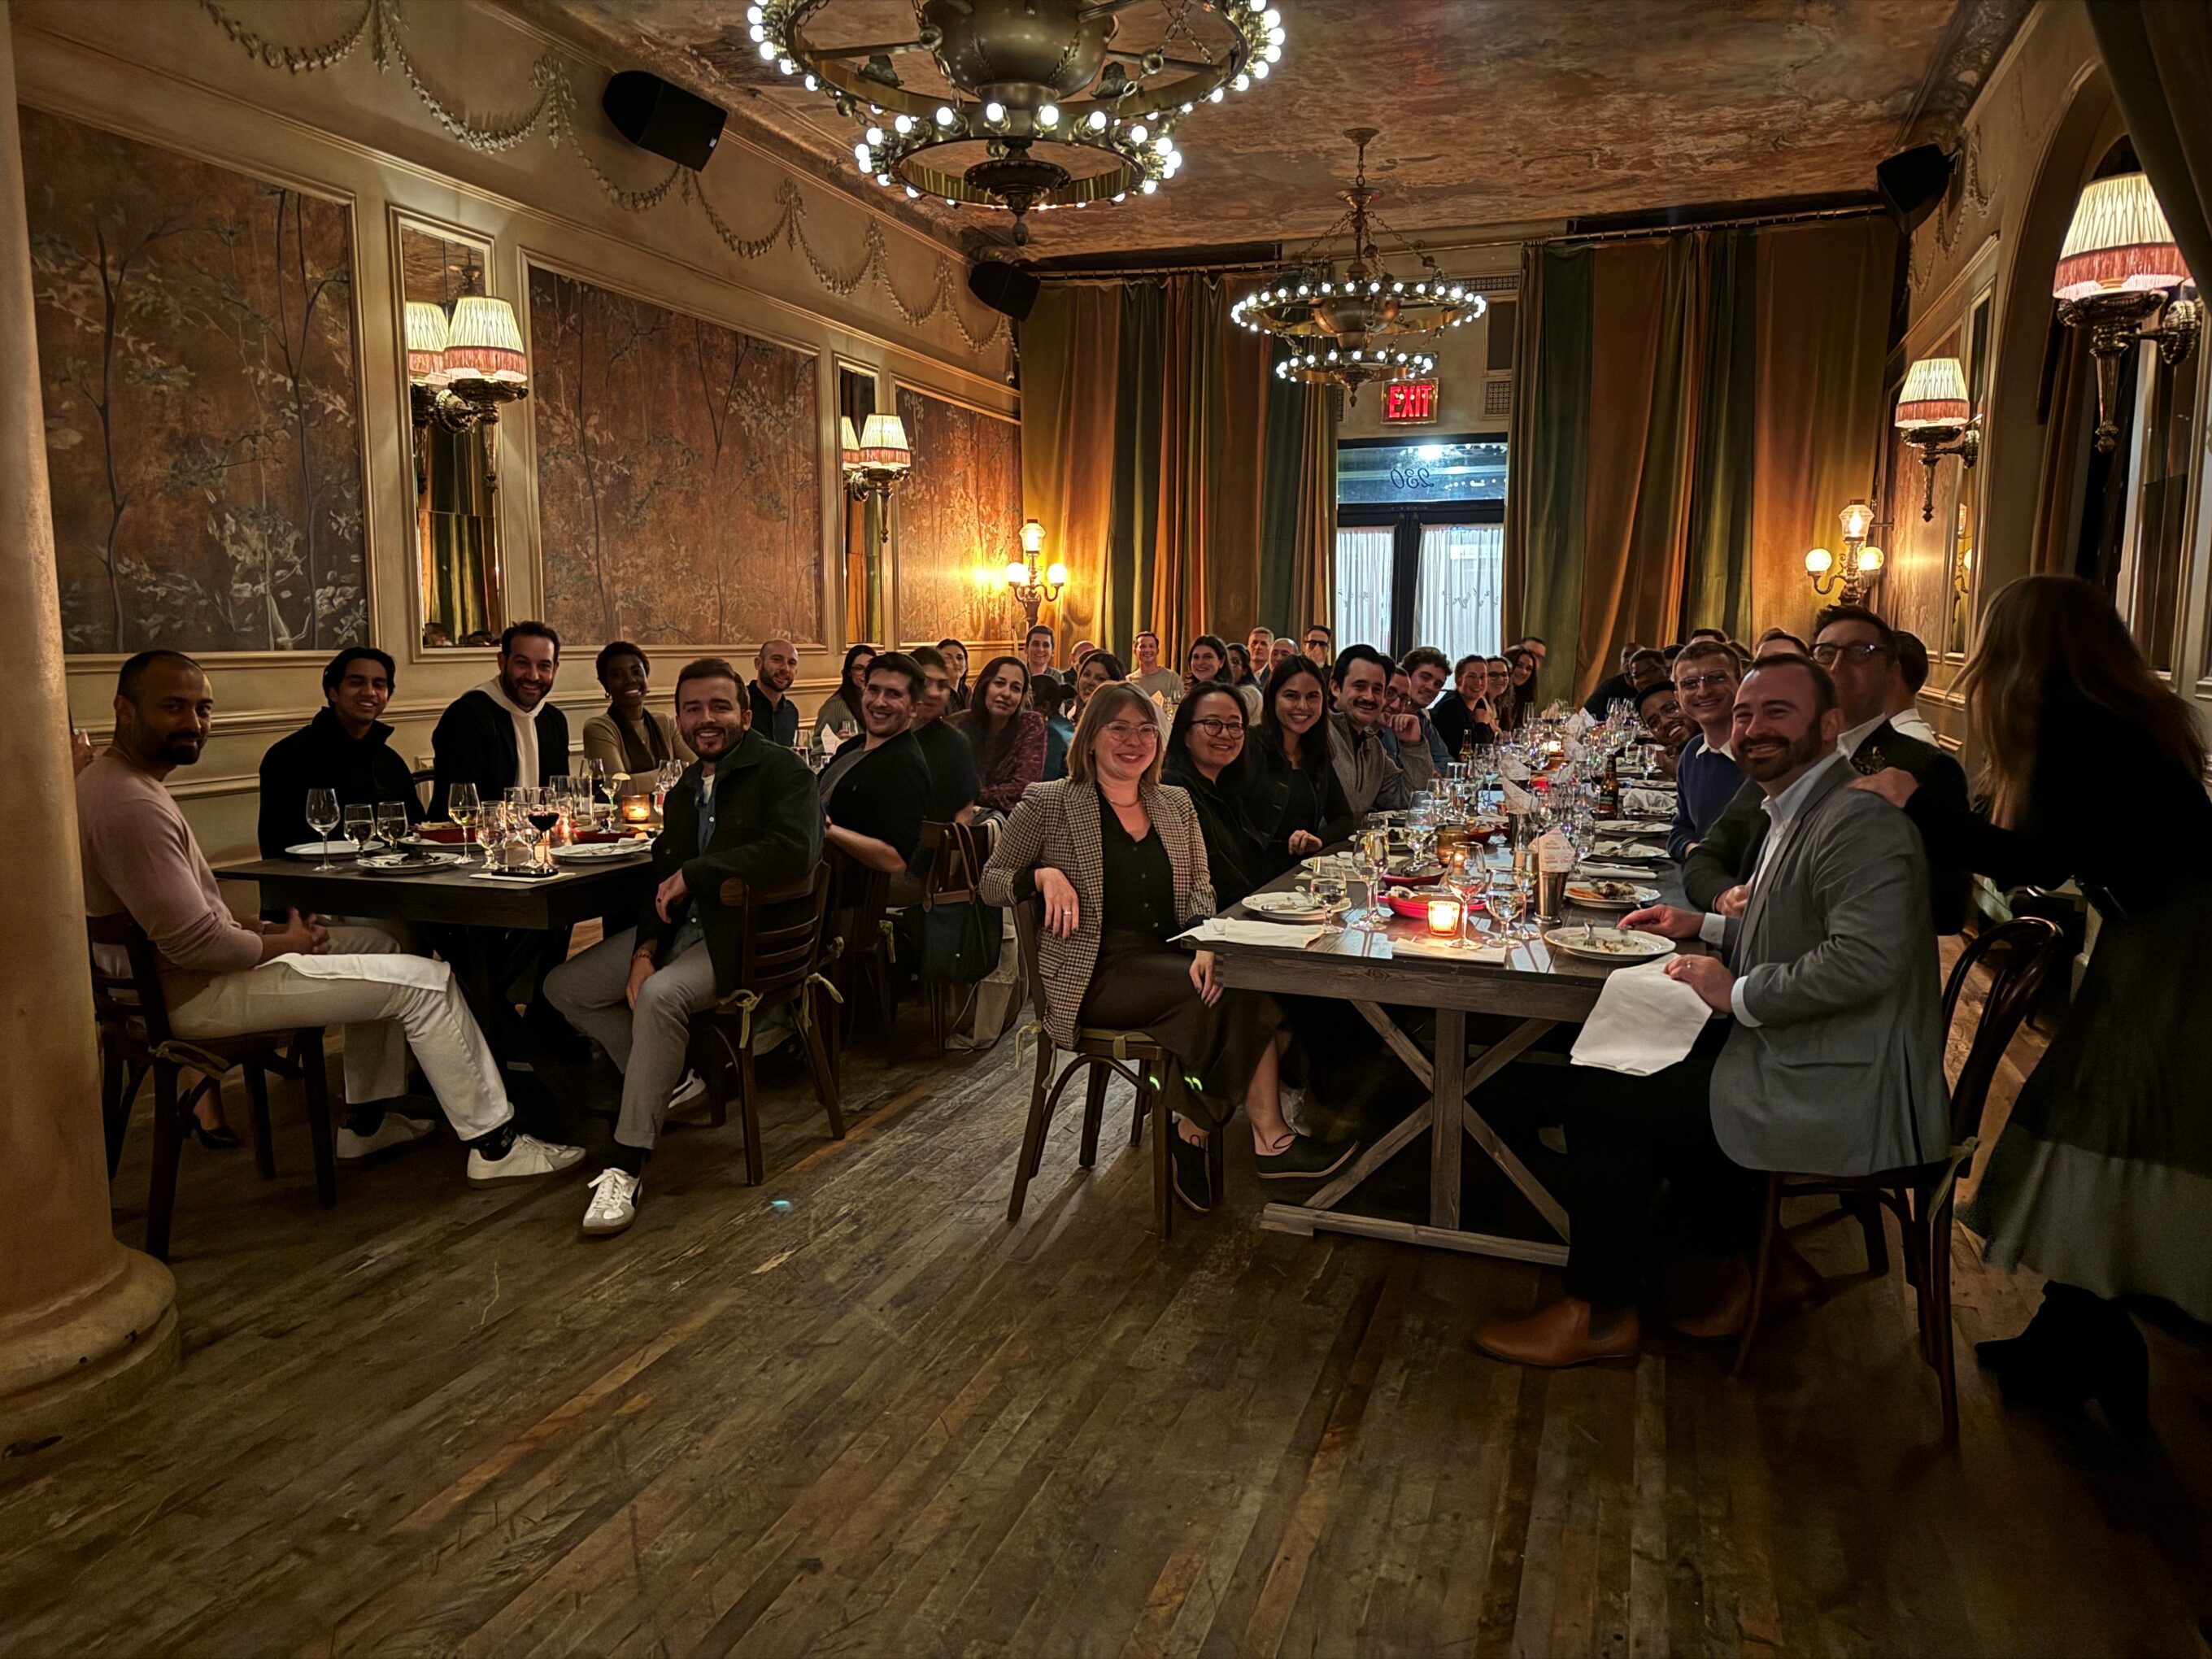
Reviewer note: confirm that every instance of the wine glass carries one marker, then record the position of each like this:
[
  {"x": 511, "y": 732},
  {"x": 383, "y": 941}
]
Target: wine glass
[
  {"x": 1508, "y": 900},
  {"x": 1334, "y": 894},
  {"x": 392, "y": 825},
  {"x": 542, "y": 808},
  {"x": 462, "y": 805},
  {"x": 322, "y": 818},
  {"x": 1469, "y": 878},
  {"x": 1374, "y": 859},
  {"x": 361, "y": 825}
]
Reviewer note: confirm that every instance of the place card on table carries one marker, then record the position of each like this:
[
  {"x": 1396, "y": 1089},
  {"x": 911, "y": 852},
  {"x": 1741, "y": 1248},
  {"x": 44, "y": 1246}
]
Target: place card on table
[{"x": 1644, "y": 1022}]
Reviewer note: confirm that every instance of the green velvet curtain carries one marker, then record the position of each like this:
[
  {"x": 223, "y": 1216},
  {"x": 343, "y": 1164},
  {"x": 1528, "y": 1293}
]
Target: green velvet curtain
[
  {"x": 2158, "y": 53},
  {"x": 1298, "y": 534},
  {"x": 1689, "y": 413}
]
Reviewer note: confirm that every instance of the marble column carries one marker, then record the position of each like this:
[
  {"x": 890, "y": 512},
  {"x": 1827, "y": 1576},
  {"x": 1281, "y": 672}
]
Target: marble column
[{"x": 84, "y": 1323}]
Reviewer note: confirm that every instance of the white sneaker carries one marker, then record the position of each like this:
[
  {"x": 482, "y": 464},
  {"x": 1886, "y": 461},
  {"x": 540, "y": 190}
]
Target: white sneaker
[
  {"x": 395, "y": 1130},
  {"x": 690, "y": 1089},
  {"x": 615, "y": 1193},
  {"x": 527, "y": 1157}
]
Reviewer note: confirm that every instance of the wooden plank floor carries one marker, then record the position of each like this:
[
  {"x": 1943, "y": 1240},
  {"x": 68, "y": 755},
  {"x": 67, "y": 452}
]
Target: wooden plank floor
[{"x": 851, "y": 1412}]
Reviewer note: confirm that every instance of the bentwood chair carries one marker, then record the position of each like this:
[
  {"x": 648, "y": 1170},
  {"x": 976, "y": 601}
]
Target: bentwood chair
[
  {"x": 134, "y": 1038},
  {"x": 860, "y": 952},
  {"x": 780, "y": 928},
  {"x": 1100, "y": 1054},
  {"x": 2020, "y": 954}
]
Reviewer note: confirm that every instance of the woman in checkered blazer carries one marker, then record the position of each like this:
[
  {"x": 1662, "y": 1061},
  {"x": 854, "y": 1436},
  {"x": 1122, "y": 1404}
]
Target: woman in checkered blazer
[{"x": 1119, "y": 863}]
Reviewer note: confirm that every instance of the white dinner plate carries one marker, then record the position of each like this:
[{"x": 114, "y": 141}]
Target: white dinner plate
[
  {"x": 1607, "y": 943},
  {"x": 410, "y": 864},
  {"x": 1629, "y": 849},
  {"x": 1609, "y": 895},
  {"x": 319, "y": 849},
  {"x": 601, "y": 852},
  {"x": 1632, "y": 826},
  {"x": 1333, "y": 864},
  {"x": 1284, "y": 907}
]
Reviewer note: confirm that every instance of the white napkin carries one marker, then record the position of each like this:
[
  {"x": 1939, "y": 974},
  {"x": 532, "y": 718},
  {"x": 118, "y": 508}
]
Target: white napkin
[
  {"x": 1218, "y": 930},
  {"x": 1420, "y": 945},
  {"x": 1614, "y": 872},
  {"x": 1581, "y": 723},
  {"x": 1518, "y": 800},
  {"x": 1644, "y": 1022},
  {"x": 1513, "y": 771},
  {"x": 1654, "y": 803}
]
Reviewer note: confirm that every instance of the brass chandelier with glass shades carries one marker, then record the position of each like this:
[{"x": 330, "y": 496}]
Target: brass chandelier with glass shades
[
  {"x": 1022, "y": 104},
  {"x": 1362, "y": 322}
]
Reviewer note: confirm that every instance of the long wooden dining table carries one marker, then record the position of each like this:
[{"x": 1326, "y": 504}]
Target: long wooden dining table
[{"x": 1537, "y": 989}]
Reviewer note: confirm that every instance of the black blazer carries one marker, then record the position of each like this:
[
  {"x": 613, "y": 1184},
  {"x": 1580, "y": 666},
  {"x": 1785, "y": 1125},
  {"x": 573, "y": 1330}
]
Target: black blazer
[
  {"x": 1265, "y": 786},
  {"x": 767, "y": 827},
  {"x": 1730, "y": 848},
  {"x": 1235, "y": 850},
  {"x": 364, "y": 771},
  {"x": 474, "y": 743}
]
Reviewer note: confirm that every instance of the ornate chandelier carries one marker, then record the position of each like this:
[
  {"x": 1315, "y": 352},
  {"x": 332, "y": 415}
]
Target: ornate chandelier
[
  {"x": 1022, "y": 104},
  {"x": 1364, "y": 322}
]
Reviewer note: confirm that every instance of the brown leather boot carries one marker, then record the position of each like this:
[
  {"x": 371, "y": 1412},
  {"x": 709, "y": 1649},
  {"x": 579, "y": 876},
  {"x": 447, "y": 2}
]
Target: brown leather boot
[
  {"x": 1791, "y": 1282},
  {"x": 1560, "y": 1335}
]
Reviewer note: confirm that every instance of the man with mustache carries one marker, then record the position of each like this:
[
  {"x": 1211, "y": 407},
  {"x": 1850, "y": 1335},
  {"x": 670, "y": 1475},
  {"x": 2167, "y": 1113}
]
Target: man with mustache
[
  {"x": 745, "y": 810},
  {"x": 1375, "y": 778},
  {"x": 1827, "y": 1059},
  {"x": 507, "y": 731},
  {"x": 224, "y": 978}
]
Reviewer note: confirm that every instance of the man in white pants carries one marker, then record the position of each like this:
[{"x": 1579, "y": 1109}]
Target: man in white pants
[{"x": 222, "y": 977}]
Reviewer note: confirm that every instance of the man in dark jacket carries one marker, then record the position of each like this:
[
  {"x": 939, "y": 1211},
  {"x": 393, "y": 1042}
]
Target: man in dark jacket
[
  {"x": 1859, "y": 651},
  {"x": 507, "y": 731},
  {"x": 774, "y": 715},
  {"x": 346, "y": 748},
  {"x": 745, "y": 811}
]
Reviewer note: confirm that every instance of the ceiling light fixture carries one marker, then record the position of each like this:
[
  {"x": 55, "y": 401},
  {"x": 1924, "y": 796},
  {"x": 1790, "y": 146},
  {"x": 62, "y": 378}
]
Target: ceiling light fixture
[
  {"x": 1025, "y": 103},
  {"x": 1358, "y": 324}
]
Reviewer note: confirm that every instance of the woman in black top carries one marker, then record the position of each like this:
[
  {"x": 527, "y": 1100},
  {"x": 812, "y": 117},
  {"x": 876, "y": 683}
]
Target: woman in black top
[
  {"x": 2102, "y": 1180},
  {"x": 956, "y": 664},
  {"x": 1291, "y": 792},
  {"x": 1465, "y": 716},
  {"x": 1206, "y": 756}
]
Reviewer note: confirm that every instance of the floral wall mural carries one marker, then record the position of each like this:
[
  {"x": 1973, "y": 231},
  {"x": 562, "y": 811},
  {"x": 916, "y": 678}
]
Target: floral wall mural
[
  {"x": 959, "y": 521},
  {"x": 678, "y": 488},
  {"x": 197, "y": 362}
]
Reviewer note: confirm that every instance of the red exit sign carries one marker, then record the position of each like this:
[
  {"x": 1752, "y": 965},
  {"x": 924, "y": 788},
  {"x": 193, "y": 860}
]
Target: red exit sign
[{"x": 1410, "y": 403}]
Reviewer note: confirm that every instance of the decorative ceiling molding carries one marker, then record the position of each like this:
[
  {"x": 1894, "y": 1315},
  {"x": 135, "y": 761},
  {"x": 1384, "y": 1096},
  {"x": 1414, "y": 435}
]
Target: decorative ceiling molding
[{"x": 554, "y": 114}]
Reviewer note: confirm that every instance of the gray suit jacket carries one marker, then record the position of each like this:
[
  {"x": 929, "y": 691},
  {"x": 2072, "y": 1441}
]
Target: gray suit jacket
[
  {"x": 1372, "y": 782},
  {"x": 1844, "y": 1074}
]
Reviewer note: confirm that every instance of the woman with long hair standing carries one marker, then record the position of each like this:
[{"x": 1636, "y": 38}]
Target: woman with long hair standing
[
  {"x": 2102, "y": 1179},
  {"x": 956, "y": 664},
  {"x": 1291, "y": 792},
  {"x": 1008, "y": 735}
]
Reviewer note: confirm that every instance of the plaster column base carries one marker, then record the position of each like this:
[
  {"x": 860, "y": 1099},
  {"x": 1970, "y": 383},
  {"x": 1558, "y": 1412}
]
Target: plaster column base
[{"x": 76, "y": 1363}]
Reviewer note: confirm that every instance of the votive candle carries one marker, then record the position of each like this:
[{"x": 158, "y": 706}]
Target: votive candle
[{"x": 1444, "y": 917}]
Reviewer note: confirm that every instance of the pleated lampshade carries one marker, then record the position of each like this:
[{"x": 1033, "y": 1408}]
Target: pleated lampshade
[
  {"x": 1934, "y": 394},
  {"x": 484, "y": 342},
  {"x": 2118, "y": 243},
  {"x": 883, "y": 443},
  {"x": 426, "y": 343}
]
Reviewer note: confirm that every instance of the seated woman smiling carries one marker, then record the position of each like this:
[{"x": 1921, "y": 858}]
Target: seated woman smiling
[{"x": 1120, "y": 863}]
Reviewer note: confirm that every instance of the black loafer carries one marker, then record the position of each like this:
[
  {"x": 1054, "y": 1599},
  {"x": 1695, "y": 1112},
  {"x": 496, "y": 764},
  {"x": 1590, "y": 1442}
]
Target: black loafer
[
  {"x": 1187, "y": 1169},
  {"x": 1306, "y": 1159}
]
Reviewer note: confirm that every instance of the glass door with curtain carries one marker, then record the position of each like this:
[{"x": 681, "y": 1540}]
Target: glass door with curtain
[
  {"x": 1366, "y": 559},
  {"x": 1459, "y": 589}
]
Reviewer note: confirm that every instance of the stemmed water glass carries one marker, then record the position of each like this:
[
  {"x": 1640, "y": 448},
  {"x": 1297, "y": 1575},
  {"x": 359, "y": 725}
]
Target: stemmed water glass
[
  {"x": 361, "y": 825},
  {"x": 1332, "y": 894},
  {"x": 322, "y": 818},
  {"x": 1469, "y": 878},
  {"x": 392, "y": 825},
  {"x": 1508, "y": 900}
]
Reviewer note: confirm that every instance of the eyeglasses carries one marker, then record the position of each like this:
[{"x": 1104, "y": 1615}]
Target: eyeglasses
[
  {"x": 1129, "y": 732},
  {"x": 1699, "y": 682},
  {"x": 1825, "y": 654},
  {"x": 1218, "y": 728}
]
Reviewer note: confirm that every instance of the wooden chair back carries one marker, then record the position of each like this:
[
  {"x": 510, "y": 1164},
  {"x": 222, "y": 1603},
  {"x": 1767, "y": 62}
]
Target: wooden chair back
[
  {"x": 779, "y": 926},
  {"x": 129, "y": 1002},
  {"x": 1029, "y": 918},
  {"x": 2020, "y": 954}
]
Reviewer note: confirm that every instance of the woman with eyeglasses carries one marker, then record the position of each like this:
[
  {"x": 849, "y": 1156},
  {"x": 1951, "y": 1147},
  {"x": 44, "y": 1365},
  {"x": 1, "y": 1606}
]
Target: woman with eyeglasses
[
  {"x": 1118, "y": 862},
  {"x": 1291, "y": 791},
  {"x": 2102, "y": 1178},
  {"x": 1008, "y": 735},
  {"x": 1205, "y": 760}
]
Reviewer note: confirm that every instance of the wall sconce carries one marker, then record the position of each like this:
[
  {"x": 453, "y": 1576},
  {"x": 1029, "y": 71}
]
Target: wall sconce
[
  {"x": 1024, "y": 580},
  {"x": 875, "y": 460},
  {"x": 1936, "y": 419},
  {"x": 461, "y": 367},
  {"x": 1861, "y": 565},
  {"x": 2119, "y": 267}
]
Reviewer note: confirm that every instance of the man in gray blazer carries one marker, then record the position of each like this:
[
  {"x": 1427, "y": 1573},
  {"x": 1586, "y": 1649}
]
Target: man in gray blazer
[
  {"x": 1830, "y": 1061},
  {"x": 1379, "y": 759}
]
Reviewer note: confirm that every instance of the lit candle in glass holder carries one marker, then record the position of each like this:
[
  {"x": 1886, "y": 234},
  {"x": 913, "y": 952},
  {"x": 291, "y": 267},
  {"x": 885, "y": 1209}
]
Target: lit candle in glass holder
[
  {"x": 637, "y": 809},
  {"x": 1444, "y": 917}
]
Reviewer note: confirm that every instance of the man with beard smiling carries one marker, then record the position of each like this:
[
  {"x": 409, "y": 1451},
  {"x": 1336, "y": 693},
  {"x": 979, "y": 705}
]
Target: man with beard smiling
[
  {"x": 346, "y": 748},
  {"x": 743, "y": 811},
  {"x": 224, "y": 978},
  {"x": 1828, "y": 1060},
  {"x": 507, "y": 731},
  {"x": 1374, "y": 779},
  {"x": 876, "y": 791}
]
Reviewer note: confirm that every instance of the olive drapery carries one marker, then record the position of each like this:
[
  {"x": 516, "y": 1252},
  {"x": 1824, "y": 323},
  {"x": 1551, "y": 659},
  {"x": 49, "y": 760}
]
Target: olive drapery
[
  {"x": 1690, "y": 412},
  {"x": 1184, "y": 487},
  {"x": 2159, "y": 56}
]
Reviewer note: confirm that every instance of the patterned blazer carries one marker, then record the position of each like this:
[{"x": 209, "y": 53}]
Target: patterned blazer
[{"x": 1056, "y": 826}]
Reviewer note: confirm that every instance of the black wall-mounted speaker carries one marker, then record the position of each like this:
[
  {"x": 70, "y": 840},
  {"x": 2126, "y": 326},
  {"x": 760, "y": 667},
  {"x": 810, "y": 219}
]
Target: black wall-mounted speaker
[
  {"x": 659, "y": 116},
  {"x": 1913, "y": 180},
  {"x": 1006, "y": 289}
]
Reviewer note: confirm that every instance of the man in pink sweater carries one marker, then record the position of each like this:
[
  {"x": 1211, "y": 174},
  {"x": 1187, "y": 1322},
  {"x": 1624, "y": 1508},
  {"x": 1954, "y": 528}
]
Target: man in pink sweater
[{"x": 222, "y": 977}]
